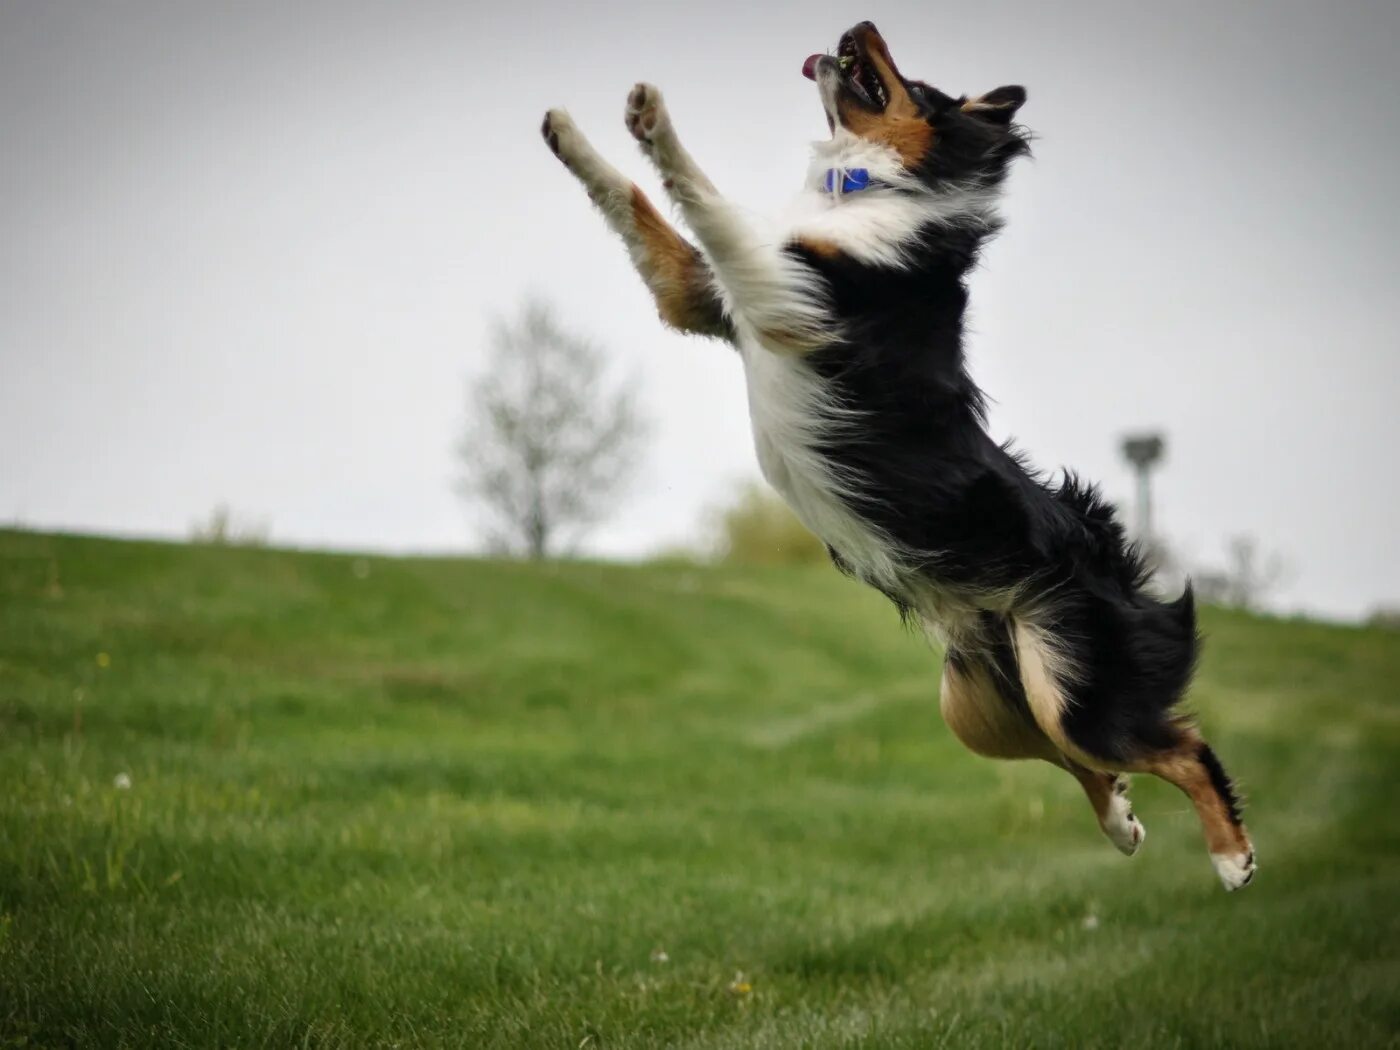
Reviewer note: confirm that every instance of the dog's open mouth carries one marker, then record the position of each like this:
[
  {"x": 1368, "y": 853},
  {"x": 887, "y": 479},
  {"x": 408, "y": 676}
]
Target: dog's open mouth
[{"x": 858, "y": 74}]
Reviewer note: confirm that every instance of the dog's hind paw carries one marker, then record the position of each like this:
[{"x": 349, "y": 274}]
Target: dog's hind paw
[
  {"x": 1126, "y": 835},
  {"x": 1120, "y": 824},
  {"x": 1236, "y": 870}
]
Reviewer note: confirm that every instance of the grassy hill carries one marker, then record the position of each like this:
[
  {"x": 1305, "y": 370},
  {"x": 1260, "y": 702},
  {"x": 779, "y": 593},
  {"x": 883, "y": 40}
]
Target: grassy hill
[{"x": 265, "y": 798}]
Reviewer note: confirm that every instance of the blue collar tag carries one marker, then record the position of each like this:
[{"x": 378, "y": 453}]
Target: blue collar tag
[{"x": 852, "y": 179}]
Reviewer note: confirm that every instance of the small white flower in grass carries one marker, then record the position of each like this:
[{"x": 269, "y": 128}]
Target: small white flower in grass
[
  {"x": 122, "y": 782},
  {"x": 658, "y": 955},
  {"x": 1091, "y": 921}
]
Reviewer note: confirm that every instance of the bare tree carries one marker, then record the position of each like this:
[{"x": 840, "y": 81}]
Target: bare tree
[
  {"x": 1252, "y": 575},
  {"x": 1247, "y": 578},
  {"x": 549, "y": 443}
]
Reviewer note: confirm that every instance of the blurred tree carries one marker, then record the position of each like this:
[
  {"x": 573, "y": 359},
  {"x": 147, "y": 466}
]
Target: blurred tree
[
  {"x": 549, "y": 445},
  {"x": 1387, "y": 616},
  {"x": 223, "y": 528},
  {"x": 759, "y": 529},
  {"x": 1247, "y": 577},
  {"x": 1251, "y": 573}
]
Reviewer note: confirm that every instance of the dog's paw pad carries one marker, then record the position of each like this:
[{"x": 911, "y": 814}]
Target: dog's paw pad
[
  {"x": 557, "y": 131},
  {"x": 646, "y": 113},
  {"x": 1236, "y": 870}
]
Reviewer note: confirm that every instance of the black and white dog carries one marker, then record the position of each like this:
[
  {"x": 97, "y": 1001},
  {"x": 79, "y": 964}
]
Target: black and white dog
[{"x": 849, "y": 322}]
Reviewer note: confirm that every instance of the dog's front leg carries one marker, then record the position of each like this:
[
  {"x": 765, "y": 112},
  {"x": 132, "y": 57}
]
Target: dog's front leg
[
  {"x": 772, "y": 295},
  {"x": 674, "y": 270}
]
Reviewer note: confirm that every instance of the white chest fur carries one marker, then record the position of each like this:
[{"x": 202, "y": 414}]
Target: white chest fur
[
  {"x": 792, "y": 411},
  {"x": 768, "y": 291}
]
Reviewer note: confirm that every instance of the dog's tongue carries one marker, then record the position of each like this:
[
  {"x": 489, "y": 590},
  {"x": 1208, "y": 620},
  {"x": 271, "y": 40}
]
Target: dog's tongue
[{"x": 809, "y": 68}]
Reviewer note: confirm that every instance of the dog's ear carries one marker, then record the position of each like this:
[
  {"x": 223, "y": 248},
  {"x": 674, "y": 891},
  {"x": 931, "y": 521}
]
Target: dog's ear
[{"x": 997, "y": 106}]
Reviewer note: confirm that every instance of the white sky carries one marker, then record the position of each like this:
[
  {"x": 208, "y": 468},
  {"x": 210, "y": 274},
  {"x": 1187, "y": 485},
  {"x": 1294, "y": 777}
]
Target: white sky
[{"x": 250, "y": 252}]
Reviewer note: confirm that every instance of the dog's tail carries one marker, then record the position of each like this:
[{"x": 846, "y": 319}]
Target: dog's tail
[
  {"x": 1166, "y": 637},
  {"x": 1145, "y": 650}
]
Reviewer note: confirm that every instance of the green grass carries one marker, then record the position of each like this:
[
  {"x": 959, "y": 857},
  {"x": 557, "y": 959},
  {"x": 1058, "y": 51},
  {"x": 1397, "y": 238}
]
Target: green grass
[{"x": 434, "y": 802}]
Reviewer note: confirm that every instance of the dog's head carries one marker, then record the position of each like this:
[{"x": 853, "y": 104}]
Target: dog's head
[{"x": 935, "y": 136}]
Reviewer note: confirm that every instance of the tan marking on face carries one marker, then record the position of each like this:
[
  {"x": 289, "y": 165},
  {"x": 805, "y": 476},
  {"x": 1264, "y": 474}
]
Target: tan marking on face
[
  {"x": 672, "y": 268},
  {"x": 901, "y": 126},
  {"x": 909, "y": 136}
]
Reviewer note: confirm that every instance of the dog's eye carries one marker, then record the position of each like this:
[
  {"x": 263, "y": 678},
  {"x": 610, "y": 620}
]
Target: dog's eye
[{"x": 920, "y": 93}]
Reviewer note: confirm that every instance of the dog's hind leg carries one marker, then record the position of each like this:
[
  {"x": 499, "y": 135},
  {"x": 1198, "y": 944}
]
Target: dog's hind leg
[
  {"x": 1188, "y": 762},
  {"x": 1108, "y": 794},
  {"x": 1194, "y": 768},
  {"x": 673, "y": 269},
  {"x": 986, "y": 713},
  {"x": 990, "y": 716}
]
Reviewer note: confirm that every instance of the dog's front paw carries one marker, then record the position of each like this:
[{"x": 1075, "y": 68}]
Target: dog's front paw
[
  {"x": 566, "y": 142},
  {"x": 647, "y": 118},
  {"x": 556, "y": 129}
]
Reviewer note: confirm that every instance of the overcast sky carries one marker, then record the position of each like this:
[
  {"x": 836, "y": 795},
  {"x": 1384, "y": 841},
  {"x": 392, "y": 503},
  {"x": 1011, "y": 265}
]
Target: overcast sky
[{"x": 249, "y": 252}]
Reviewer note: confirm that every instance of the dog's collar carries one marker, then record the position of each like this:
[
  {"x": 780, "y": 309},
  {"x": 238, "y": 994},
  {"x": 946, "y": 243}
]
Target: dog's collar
[{"x": 850, "y": 180}]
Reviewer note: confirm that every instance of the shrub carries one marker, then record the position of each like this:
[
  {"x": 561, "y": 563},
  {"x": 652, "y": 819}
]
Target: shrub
[{"x": 757, "y": 528}]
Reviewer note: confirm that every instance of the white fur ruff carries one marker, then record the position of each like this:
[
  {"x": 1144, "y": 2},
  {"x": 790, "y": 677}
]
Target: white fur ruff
[
  {"x": 877, "y": 226},
  {"x": 791, "y": 411}
]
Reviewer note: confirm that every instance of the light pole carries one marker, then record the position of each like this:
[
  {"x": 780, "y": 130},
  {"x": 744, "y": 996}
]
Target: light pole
[{"x": 1143, "y": 451}]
